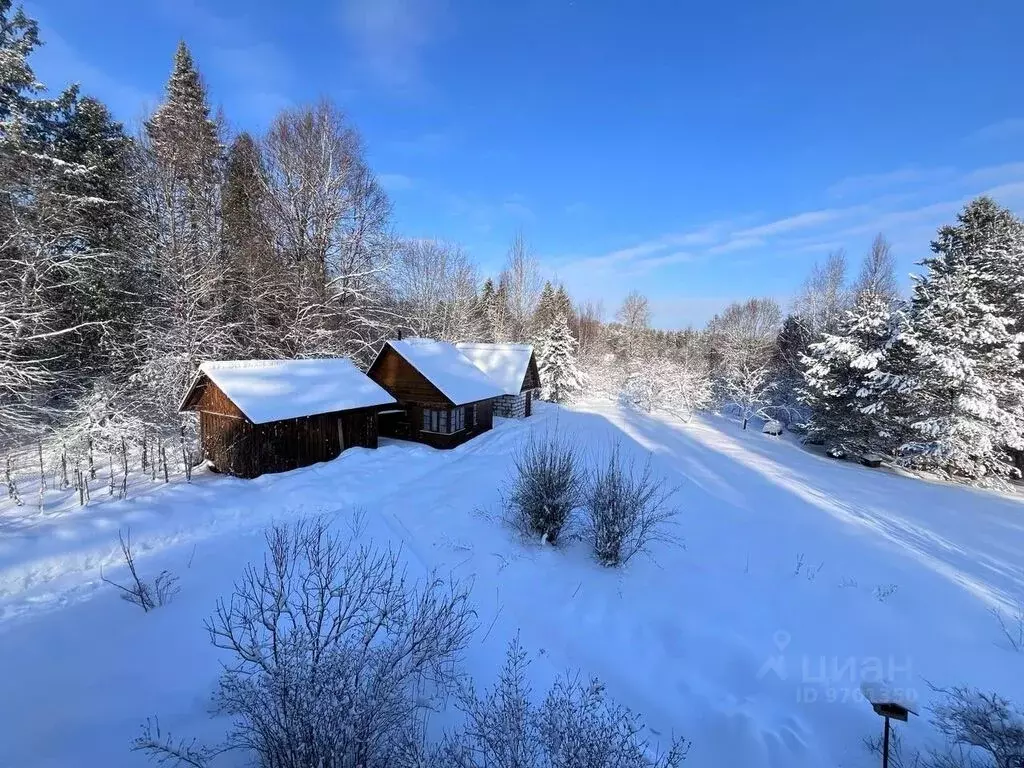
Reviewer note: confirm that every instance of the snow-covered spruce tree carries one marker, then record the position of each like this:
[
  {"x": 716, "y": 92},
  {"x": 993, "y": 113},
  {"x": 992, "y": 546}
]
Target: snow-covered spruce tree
[
  {"x": 841, "y": 370},
  {"x": 837, "y": 374},
  {"x": 966, "y": 391},
  {"x": 543, "y": 314},
  {"x": 186, "y": 321},
  {"x": 559, "y": 375},
  {"x": 485, "y": 311},
  {"x": 791, "y": 344}
]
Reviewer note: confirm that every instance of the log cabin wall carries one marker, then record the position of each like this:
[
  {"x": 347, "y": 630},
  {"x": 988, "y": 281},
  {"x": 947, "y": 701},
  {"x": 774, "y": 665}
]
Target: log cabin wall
[
  {"x": 414, "y": 393},
  {"x": 404, "y": 382},
  {"x": 236, "y": 446}
]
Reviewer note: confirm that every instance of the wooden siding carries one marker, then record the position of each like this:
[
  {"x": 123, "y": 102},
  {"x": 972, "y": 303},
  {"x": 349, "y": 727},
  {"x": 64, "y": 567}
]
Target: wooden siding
[
  {"x": 532, "y": 378},
  {"x": 234, "y": 445},
  {"x": 404, "y": 382},
  {"x": 408, "y": 424}
]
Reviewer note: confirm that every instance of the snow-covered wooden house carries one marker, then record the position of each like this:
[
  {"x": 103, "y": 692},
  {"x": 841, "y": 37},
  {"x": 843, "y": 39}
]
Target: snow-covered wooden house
[
  {"x": 444, "y": 400},
  {"x": 513, "y": 367},
  {"x": 259, "y": 416}
]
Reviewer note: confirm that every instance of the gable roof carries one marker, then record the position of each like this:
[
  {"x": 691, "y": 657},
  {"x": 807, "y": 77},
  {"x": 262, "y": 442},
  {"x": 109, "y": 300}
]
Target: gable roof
[
  {"x": 271, "y": 390},
  {"x": 505, "y": 364},
  {"x": 446, "y": 368}
]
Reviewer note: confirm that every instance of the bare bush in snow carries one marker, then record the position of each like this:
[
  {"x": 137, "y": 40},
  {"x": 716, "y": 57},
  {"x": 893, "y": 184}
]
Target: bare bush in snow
[
  {"x": 982, "y": 729},
  {"x": 147, "y": 595},
  {"x": 576, "y": 726},
  {"x": 545, "y": 488},
  {"x": 334, "y": 655},
  {"x": 627, "y": 509}
]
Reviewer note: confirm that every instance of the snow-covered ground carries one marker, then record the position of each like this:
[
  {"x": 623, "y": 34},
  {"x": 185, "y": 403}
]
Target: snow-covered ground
[{"x": 799, "y": 577}]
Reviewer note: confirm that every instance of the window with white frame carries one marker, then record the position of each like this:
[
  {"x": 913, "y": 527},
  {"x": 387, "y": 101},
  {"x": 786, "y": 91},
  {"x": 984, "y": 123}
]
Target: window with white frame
[{"x": 444, "y": 422}]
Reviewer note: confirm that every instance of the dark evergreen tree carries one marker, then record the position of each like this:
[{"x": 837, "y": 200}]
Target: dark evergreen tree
[
  {"x": 254, "y": 276},
  {"x": 838, "y": 379},
  {"x": 544, "y": 313},
  {"x": 107, "y": 303}
]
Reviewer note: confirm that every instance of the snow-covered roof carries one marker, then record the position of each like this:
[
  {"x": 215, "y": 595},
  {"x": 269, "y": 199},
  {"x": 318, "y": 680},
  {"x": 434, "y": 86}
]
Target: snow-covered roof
[
  {"x": 271, "y": 390},
  {"x": 448, "y": 369},
  {"x": 505, "y": 364},
  {"x": 884, "y": 692}
]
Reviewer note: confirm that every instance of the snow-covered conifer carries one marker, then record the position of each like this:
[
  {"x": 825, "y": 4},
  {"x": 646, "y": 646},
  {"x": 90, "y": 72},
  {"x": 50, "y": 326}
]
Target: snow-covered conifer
[
  {"x": 966, "y": 392},
  {"x": 559, "y": 375}
]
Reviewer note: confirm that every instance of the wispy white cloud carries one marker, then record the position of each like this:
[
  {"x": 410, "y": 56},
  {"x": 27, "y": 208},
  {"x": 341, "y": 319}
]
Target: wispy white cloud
[
  {"x": 738, "y": 243},
  {"x": 393, "y": 37},
  {"x": 1010, "y": 128},
  {"x": 872, "y": 183},
  {"x": 995, "y": 174},
  {"x": 909, "y": 219},
  {"x": 797, "y": 222}
]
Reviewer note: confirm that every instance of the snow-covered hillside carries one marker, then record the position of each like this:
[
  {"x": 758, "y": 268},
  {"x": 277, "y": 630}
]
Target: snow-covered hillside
[{"x": 799, "y": 576}]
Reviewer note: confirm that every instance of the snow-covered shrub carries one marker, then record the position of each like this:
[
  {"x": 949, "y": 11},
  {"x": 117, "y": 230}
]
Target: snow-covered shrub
[
  {"x": 545, "y": 488},
  {"x": 627, "y": 509},
  {"x": 678, "y": 388},
  {"x": 576, "y": 726},
  {"x": 147, "y": 595},
  {"x": 333, "y": 655},
  {"x": 772, "y": 427},
  {"x": 982, "y": 729}
]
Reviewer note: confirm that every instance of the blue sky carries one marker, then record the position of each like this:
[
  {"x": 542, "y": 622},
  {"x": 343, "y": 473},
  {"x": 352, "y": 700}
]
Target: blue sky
[{"x": 697, "y": 152}]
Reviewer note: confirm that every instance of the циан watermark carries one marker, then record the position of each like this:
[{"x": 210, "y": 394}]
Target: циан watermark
[{"x": 836, "y": 679}]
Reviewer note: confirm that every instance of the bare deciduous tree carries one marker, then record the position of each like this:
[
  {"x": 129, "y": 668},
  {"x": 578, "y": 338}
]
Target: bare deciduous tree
[
  {"x": 521, "y": 283},
  {"x": 823, "y": 296},
  {"x": 333, "y": 654},
  {"x": 328, "y": 217},
  {"x": 435, "y": 286}
]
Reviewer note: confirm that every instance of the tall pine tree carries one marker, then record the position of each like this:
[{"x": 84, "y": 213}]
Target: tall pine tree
[
  {"x": 186, "y": 321},
  {"x": 255, "y": 278}
]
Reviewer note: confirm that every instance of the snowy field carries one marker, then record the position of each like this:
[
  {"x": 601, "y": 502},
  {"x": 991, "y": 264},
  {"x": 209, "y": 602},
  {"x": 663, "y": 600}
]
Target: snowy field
[{"x": 798, "y": 576}]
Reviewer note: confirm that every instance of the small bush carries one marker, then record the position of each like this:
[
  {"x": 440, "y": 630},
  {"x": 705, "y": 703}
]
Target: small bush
[
  {"x": 627, "y": 509},
  {"x": 545, "y": 488},
  {"x": 146, "y": 595},
  {"x": 576, "y": 726},
  {"x": 334, "y": 655},
  {"x": 982, "y": 729}
]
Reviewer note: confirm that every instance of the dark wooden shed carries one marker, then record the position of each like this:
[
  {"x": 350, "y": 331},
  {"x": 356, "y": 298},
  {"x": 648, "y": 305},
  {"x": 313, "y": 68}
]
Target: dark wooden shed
[
  {"x": 443, "y": 399},
  {"x": 260, "y": 416}
]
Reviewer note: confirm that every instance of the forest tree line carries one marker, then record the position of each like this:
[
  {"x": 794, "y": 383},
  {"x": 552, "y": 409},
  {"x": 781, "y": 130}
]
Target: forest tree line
[{"x": 127, "y": 259}]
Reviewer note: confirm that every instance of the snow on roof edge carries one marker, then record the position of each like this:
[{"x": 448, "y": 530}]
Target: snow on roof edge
[
  {"x": 455, "y": 375},
  {"x": 292, "y": 388}
]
